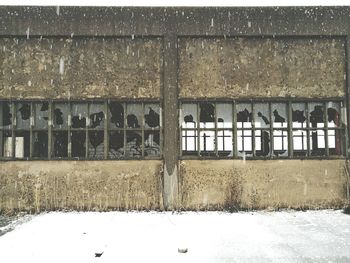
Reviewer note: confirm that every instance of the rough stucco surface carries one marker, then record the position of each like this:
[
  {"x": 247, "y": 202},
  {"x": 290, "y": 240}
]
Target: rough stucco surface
[
  {"x": 92, "y": 185},
  {"x": 232, "y": 184},
  {"x": 90, "y": 67},
  {"x": 261, "y": 67}
]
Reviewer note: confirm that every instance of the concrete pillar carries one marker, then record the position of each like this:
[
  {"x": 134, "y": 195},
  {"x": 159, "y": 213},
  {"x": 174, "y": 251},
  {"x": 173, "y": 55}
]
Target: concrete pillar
[{"x": 170, "y": 123}]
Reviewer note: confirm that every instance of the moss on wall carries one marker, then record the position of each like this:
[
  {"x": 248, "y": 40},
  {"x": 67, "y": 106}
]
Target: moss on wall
[{"x": 248, "y": 67}]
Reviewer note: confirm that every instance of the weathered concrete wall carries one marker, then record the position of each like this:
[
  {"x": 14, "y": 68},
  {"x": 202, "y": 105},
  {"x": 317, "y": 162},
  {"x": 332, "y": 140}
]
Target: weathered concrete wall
[
  {"x": 80, "y": 67},
  {"x": 92, "y": 185},
  {"x": 261, "y": 67},
  {"x": 230, "y": 184}
]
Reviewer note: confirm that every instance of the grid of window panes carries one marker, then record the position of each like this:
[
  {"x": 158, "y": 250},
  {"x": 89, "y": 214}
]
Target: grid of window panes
[
  {"x": 262, "y": 129},
  {"x": 80, "y": 130}
]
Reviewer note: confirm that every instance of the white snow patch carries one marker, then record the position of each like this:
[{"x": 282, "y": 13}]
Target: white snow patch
[{"x": 156, "y": 237}]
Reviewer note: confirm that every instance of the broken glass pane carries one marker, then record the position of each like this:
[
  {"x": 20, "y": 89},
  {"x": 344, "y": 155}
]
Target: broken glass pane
[
  {"x": 96, "y": 145},
  {"x": 207, "y": 143},
  {"x": 116, "y": 113},
  {"x": 97, "y": 116},
  {"x": 41, "y": 114},
  {"x": 60, "y": 144},
  {"x": 206, "y": 115},
  {"x": 225, "y": 143},
  {"x": 316, "y": 116},
  {"x": 78, "y": 139},
  {"x": 116, "y": 144},
  {"x": 244, "y": 115},
  {"x": 152, "y": 142},
  {"x": 224, "y": 115},
  {"x": 189, "y": 115},
  {"x": 280, "y": 143},
  {"x": 279, "y": 115},
  {"x": 134, "y": 115},
  {"x": 133, "y": 144},
  {"x": 23, "y": 115},
  {"x": 60, "y": 115},
  {"x": 317, "y": 142},
  {"x": 299, "y": 115},
  {"x": 5, "y": 115},
  {"x": 79, "y": 115},
  {"x": 262, "y": 143},
  {"x": 152, "y": 116},
  {"x": 22, "y": 144},
  {"x": 189, "y": 142},
  {"x": 262, "y": 115},
  {"x": 40, "y": 144},
  {"x": 333, "y": 114}
]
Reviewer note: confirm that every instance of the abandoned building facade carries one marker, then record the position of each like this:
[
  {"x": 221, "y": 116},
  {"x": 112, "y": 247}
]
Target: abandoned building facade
[{"x": 173, "y": 108}]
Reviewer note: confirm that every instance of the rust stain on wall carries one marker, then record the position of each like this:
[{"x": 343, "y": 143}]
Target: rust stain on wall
[
  {"x": 261, "y": 67},
  {"x": 236, "y": 184},
  {"x": 80, "y": 185},
  {"x": 80, "y": 68}
]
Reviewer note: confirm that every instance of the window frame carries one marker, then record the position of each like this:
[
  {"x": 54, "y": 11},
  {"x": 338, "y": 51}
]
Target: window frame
[
  {"x": 289, "y": 129},
  {"x": 106, "y": 129}
]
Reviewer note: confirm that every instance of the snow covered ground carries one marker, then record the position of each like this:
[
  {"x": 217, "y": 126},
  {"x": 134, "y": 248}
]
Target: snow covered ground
[{"x": 289, "y": 236}]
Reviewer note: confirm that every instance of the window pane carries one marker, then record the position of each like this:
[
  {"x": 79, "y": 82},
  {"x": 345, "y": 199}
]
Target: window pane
[
  {"x": 317, "y": 142},
  {"x": 60, "y": 144},
  {"x": 279, "y": 115},
  {"x": 152, "y": 142},
  {"x": 244, "y": 142},
  {"x": 207, "y": 115},
  {"x": 40, "y": 144},
  {"x": 333, "y": 114},
  {"x": 78, "y": 139},
  {"x": 224, "y": 115},
  {"x": 133, "y": 144},
  {"x": 335, "y": 142},
  {"x": 262, "y": 115},
  {"x": 134, "y": 115},
  {"x": 300, "y": 142},
  {"x": 23, "y": 116},
  {"x": 6, "y": 138},
  {"x": 96, "y": 145},
  {"x": 244, "y": 115},
  {"x": 79, "y": 115},
  {"x": 152, "y": 116},
  {"x": 262, "y": 143},
  {"x": 189, "y": 142},
  {"x": 5, "y": 115},
  {"x": 225, "y": 143},
  {"x": 207, "y": 142},
  {"x": 280, "y": 143},
  {"x": 60, "y": 115},
  {"x": 22, "y": 144},
  {"x": 116, "y": 114},
  {"x": 189, "y": 114},
  {"x": 41, "y": 115},
  {"x": 316, "y": 115},
  {"x": 97, "y": 116},
  {"x": 299, "y": 115},
  {"x": 116, "y": 144}
]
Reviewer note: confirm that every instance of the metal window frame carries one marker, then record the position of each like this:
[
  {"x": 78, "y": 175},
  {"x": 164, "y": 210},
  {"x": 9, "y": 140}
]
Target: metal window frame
[{"x": 289, "y": 129}]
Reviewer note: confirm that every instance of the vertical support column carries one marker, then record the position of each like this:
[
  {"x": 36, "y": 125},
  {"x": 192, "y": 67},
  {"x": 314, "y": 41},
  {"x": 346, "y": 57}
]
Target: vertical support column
[
  {"x": 347, "y": 90},
  {"x": 170, "y": 128}
]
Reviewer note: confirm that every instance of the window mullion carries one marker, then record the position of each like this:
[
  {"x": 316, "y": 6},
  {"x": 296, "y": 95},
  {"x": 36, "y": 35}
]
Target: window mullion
[
  {"x": 31, "y": 122},
  {"x": 143, "y": 130},
  {"x": 253, "y": 130},
  {"x": 290, "y": 129},
  {"x": 106, "y": 126},
  {"x": 69, "y": 129},
  {"x": 307, "y": 129},
  {"x": 325, "y": 121},
  {"x": 13, "y": 126},
  {"x": 87, "y": 131},
  {"x": 271, "y": 131},
  {"x": 198, "y": 129},
  {"x": 49, "y": 136},
  {"x": 234, "y": 133},
  {"x": 216, "y": 131}
]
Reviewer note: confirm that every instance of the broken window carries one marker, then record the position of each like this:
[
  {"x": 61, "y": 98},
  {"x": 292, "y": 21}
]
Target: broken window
[
  {"x": 80, "y": 130},
  {"x": 262, "y": 129}
]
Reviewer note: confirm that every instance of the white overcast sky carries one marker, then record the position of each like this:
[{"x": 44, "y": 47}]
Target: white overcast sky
[{"x": 177, "y": 2}]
